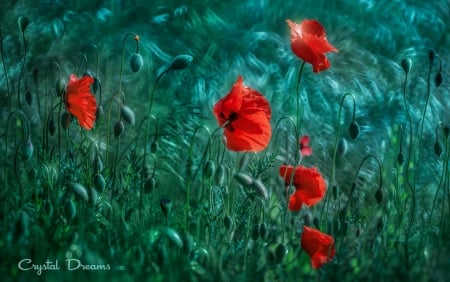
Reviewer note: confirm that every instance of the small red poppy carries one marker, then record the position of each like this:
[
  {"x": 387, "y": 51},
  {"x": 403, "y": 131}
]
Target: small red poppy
[
  {"x": 319, "y": 246},
  {"x": 309, "y": 43},
  {"x": 245, "y": 116},
  {"x": 305, "y": 149},
  {"x": 79, "y": 100},
  {"x": 309, "y": 186}
]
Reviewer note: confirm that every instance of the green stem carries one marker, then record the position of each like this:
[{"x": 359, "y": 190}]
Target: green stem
[
  {"x": 22, "y": 68},
  {"x": 4, "y": 68}
]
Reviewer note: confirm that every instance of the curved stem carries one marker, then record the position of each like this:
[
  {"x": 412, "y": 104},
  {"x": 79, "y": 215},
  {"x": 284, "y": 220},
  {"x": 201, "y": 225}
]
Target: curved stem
[
  {"x": 22, "y": 68},
  {"x": 357, "y": 172},
  {"x": 4, "y": 68},
  {"x": 299, "y": 120}
]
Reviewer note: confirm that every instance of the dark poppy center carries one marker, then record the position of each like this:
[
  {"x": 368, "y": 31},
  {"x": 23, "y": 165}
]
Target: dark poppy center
[{"x": 232, "y": 117}]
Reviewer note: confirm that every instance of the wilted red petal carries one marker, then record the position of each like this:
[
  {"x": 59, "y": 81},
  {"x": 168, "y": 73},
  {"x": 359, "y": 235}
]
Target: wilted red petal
[
  {"x": 305, "y": 149},
  {"x": 319, "y": 246},
  {"x": 245, "y": 115},
  {"x": 79, "y": 100},
  {"x": 309, "y": 43}
]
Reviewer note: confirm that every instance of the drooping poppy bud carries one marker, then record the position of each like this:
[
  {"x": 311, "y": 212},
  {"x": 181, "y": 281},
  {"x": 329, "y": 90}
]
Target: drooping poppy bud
[
  {"x": 60, "y": 87},
  {"x": 66, "y": 118},
  {"x": 208, "y": 169},
  {"x": 149, "y": 185},
  {"x": 166, "y": 206},
  {"x": 244, "y": 179},
  {"x": 127, "y": 114},
  {"x": 379, "y": 195},
  {"x": 228, "y": 222},
  {"x": 259, "y": 186},
  {"x": 28, "y": 98},
  {"x": 23, "y": 23},
  {"x": 154, "y": 147},
  {"x": 438, "y": 79},
  {"x": 280, "y": 253},
  {"x": 79, "y": 190},
  {"x": 93, "y": 196},
  {"x": 342, "y": 147},
  {"x": 99, "y": 113},
  {"x": 181, "y": 62},
  {"x": 136, "y": 62},
  {"x": 400, "y": 158},
  {"x": 354, "y": 130},
  {"x": 406, "y": 65},
  {"x": 27, "y": 150},
  {"x": 118, "y": 128},
  {"x": 219, "y": 175},
  {"x": 97, "y": 164},
  {"x": 438, "y": 148},
  {"x": 263, "y": 232},
  {"x": 51, "y": 126},
  {"x": 99, "y": 182}
]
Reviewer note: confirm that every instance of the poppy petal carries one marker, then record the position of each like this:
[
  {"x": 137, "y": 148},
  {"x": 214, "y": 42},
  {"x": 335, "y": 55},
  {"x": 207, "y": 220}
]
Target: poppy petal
[
  {"x": 319, "y": 246},
  {"x": 80, "y": 102}
]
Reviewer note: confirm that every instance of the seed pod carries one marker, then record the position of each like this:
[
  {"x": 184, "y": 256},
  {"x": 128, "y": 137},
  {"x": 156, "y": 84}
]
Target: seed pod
[
  {"x": 118, "y": 128},
  {"x": 379, "y": 195},
  {"x": 244, "y": 179},
  {"x": 79, "y": 190},
  {"x": 166, "y": 206},
  {"x": 127, "y": 114},
  {"x": 438, "y": 79},
  {"x": 66, "y": 118},
  {"x": 181, "y": 62},
  {"x": 149, "y": 185},
  {"x": 60, "y": 87},
  {"x": 208, "y": 169},
  {"x": 406, "y": 65},
  {"x": 136, "y": 62},
  {"x": 23, "y": 23},
  {"x": 28, "y": 98},
  {"x": 400, "y": 158},
  {"x": 93, "y": 196},
  {"x": 228, "y": 222},
  {"x": 438, "y": 148},
  {"x": 51, "y": 126},
  {"x": 27, "y": 150},
  {"x": 99, "y": 182},
  {"x": 354, "y": 130}
]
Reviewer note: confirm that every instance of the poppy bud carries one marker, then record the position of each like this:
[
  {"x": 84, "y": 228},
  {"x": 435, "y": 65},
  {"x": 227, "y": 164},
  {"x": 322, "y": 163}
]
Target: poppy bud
[
  {"x": 379, "y": 195},
  {"x": 255, "y": 232},
  {"x": 79, "y": 190},
  {"x": 23, "y": 23},
  {"x": 149, "y": 185},
  {"x": 97, "y": 164},
  {"x": 136, "y": 62},
  {"x": 93, "y": 196},
  {"x": 99, "y": 113},
  {"x": 446, "y": 131},
  {"x": 127, "y": 114},
  {"x": 406, "y": 65},
  {"x": 431, "y": 56},
  {"x": 70, "y": 210},
  {"x": 118, "y": 128},
  {"x": 99, "y": 182},
  {"x": 208, "y": 169},
  {"x": 27, "y": 150},
  {"x": 219, "y": 175},
  {"x": 280, "y": 253},
  {"x": 342, "y": 147},
  {"x": 66, "y": 118},
  {"x": 181, "y": 62},
  {"x": 263, "y": 232},
  {"x": 244, "y": 179},
  {"x": 438, "y": 79},
  {"x": 261, "y": 188},
  {"x": 174, "y": 236},
  {"x": 228, "y": 222},
  {"x": 166, "y": 206},
  {"x": 400, "y": 158},
  {"x": 354, "y": 130},
  {"x": 437, "y": 148},
  {"x": 60, "y": 87},
  {"x": 28, "y": 98},
  {"x": 51, "y": 126},
  {"x": 154, "y": 147}
]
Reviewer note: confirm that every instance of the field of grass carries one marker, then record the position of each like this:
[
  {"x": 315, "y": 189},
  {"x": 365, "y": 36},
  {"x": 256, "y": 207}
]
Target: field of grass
[{"x": 152, "y": 193}]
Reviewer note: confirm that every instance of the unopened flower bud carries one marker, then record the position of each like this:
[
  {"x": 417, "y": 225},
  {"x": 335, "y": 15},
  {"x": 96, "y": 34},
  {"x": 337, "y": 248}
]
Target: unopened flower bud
[
  {"x": 438, "y": 79},
  {"x": 27, "y": 150},
  {"x": 79, "y": 190},
  {"x": 379, "y": 195},
  {"x": 23, "y": 23},
  {"x": 154, "y": 147},
  {"x": 244, "y": 179},
  {"x": 280, "y": 253},
  {"x": 118, "y": 128},
  {"x": 354, "y": 130},
  {"x": 127, "y": 114},
  {"x": 51, "y": 126},
  {"x": 166, "y": 206},
  {"x": 263, "y": 232},
  {"x": 149, "y": 185},
  {"x": 261, "y": 188},
  {"x": 99, "y": 182},
  {"x": 208, "y": 169},
  {"x": 60, "y": 87},
  {"x": 228, "y": 222},
  {"x": 28, "y": 98},
  {"x": 219, "y": 175},
  {"x": 438, "y": 148},
  {"x": 136, "y": 62},
  {"x": 66, "y": 118},
  {"x": 400, "y": 158},
  {"x": 342, "y": 147},
  {"x": 406, "y": 65},
  {"x": 181, "y": 62}
]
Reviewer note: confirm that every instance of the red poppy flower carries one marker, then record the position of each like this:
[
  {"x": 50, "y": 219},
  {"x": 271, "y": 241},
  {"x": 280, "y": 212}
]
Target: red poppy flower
[
  {"x": 309, "y": 186},
  {"x": 79, "y": 100},
  {"x": 319, "y": 246},
  {"x": 304, "y": 146},
  {"x": 309, "y": 43},
  {"x": 245, "y": 116}
]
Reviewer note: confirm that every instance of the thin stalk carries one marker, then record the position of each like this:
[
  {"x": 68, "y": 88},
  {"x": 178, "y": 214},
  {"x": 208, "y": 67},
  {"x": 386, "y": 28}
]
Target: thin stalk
[
  {"x": 22, "y": 68},
  {"x": 4, "y": 68}
]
